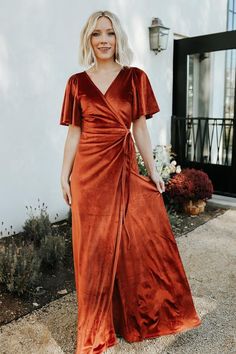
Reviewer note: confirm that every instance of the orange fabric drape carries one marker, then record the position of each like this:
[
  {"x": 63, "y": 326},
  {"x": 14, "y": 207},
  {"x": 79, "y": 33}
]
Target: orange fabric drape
[{"x": 129, "y": 276}]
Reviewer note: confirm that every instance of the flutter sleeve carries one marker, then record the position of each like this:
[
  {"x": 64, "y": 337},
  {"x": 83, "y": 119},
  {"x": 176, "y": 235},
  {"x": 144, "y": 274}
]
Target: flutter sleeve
[
  {"x": 144, "y": 101},
  {"x": 71, "y": 110}
]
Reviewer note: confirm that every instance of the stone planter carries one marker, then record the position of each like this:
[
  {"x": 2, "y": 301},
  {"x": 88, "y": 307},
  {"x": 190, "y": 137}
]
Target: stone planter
[{"x": 194, "y": 207}]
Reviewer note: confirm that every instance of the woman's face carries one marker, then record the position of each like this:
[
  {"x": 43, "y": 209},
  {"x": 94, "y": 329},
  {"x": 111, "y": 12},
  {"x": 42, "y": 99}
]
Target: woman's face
[{"x": 103, "y": 39}]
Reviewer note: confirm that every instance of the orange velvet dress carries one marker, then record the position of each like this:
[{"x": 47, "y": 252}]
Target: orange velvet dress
[{"x": 130, "y": 280}]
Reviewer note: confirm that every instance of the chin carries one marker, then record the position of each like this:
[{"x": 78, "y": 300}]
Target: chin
[{"x": 105, "y": 57}]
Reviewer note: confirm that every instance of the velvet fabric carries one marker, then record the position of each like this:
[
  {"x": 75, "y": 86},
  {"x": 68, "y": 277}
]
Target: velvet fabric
[{"x": 129, "y": 276}]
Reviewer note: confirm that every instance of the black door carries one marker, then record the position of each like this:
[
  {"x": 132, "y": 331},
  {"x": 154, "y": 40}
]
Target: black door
[{"x": 203, "y": 128}]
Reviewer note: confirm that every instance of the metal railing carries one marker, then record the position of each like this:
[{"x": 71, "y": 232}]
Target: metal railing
[{"x": 204, "y": 140}]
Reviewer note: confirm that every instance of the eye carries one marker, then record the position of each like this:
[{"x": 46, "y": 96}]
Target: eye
[{"x": 97, "y": 34}]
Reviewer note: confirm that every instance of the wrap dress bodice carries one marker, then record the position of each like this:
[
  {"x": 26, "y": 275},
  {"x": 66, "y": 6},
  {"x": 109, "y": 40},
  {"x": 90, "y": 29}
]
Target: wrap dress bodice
[
  {"x": 106, "y": 140},
  {"x": 129, "y": 276}
]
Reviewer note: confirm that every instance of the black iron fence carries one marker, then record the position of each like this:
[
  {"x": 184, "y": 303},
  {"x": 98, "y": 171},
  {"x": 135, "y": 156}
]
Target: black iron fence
[{"x": 204, "y": 140}]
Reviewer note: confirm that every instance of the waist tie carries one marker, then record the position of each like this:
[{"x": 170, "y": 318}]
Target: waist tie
[{"x": 127, "y": 152}]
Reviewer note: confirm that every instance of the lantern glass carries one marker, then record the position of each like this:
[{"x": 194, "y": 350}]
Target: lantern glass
[
  {"x": 154, "y": 38},
  {"x": 158, "y": 36},
  {"x": 163, "y": 38}
]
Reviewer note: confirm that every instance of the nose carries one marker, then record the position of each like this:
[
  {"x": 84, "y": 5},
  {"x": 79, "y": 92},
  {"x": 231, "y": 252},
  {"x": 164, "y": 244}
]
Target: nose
[{"x": 104, "y": 38}]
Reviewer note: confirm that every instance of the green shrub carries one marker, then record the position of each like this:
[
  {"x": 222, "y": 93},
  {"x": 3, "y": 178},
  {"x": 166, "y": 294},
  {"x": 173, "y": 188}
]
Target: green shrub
[
  {"x": 23, "y": 261},
  {"x": 52, "y": 251},
  {"x": 19, "y": 267},
  {"x": 37, "y": 226}
]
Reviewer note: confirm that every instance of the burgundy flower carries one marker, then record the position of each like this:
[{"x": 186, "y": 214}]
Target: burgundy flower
[{"x": 189, "y": 184}]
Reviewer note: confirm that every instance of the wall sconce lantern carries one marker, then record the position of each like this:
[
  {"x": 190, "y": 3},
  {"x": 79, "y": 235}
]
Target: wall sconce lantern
[{"x": 158, "y": 35}]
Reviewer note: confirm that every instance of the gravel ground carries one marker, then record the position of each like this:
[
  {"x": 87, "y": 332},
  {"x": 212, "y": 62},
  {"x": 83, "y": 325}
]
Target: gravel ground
[{"x": 209, "y": 257}]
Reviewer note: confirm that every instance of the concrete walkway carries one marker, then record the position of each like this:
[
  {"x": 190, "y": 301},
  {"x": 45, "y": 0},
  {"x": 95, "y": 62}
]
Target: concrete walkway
[{"x": 209, "y": 257}]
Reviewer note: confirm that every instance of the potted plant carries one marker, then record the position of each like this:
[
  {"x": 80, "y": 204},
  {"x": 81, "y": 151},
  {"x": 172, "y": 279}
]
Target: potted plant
[{"x": 190, "y": 189}]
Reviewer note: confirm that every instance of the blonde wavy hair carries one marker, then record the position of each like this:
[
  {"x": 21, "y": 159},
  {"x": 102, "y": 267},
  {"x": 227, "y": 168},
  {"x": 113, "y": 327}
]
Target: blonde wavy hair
[{"x": 123, "y": 53}]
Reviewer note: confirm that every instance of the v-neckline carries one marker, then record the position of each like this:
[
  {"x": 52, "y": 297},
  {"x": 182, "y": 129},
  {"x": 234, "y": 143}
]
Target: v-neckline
[{"x": 111, "y": 84}]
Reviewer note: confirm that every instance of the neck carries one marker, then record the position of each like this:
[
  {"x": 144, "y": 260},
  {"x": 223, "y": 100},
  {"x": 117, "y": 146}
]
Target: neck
[{"x": 106, "y": 65}]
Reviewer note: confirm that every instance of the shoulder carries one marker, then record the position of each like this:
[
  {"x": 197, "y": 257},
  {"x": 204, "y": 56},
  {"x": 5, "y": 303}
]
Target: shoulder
[
  {"x": 136, "y": 69},
  {"x": 73, "y": 79},
  {"x": 74, "y": 82},
  {"x": 137, "y": 72}
]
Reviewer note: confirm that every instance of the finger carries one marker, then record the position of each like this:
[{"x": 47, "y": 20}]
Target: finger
[
  {"x": 162, "y": 185},
  {"x": 67, "y": 201},
  {"x": 66, "y": 198},
  {"x": 158, "y": 187},
  {"x": 68, "y": 194},
  {"x": 69, "y": 197}
]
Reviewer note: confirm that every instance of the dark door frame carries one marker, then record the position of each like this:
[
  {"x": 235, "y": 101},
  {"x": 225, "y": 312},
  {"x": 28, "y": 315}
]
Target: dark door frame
[{"x": 223, "y": 177}]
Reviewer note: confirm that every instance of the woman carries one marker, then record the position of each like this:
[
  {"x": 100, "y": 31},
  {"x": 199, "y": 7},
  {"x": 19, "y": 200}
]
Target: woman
[{"x": 130, "y": 280}]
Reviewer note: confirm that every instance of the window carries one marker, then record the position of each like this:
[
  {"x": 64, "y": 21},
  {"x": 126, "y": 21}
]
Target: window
[{"x": 231, "y": 18}]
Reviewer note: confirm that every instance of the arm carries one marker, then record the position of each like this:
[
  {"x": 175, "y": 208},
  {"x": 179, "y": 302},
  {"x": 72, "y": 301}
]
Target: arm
[
  {"x": 72, "y": 140},
  {"x": 143, "y": 142}
]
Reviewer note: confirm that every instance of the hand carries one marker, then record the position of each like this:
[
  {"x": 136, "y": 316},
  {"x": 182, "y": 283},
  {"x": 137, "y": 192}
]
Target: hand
[
  {"x": 157, "y": 179},
  {"x": 66, "y": 191}
]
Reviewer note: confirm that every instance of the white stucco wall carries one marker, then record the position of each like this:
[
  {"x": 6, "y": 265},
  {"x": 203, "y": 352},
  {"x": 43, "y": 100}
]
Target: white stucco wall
[{"x": 38, "y": 51}]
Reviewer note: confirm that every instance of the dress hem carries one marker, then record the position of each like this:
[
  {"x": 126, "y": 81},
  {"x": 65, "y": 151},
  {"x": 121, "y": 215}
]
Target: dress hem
[
  {"x": 184, "y": 328},
  {"x": 152, "y": 336}
]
